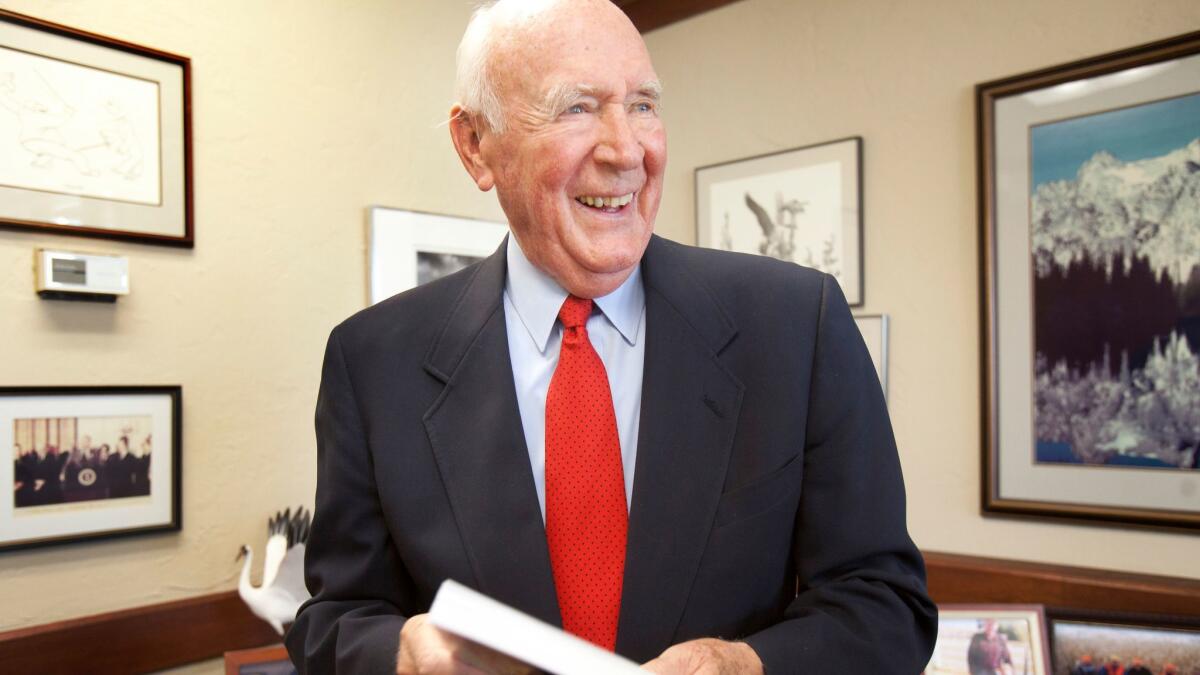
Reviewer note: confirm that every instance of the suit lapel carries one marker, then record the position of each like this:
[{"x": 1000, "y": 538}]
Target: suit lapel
[
  {"x": 475, "y": 430},
  {"x": 690, "y": 407}
]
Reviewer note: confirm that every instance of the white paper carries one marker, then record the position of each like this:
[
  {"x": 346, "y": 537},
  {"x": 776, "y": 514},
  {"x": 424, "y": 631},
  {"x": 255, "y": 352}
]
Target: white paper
[{"x": 476, "y": 617}]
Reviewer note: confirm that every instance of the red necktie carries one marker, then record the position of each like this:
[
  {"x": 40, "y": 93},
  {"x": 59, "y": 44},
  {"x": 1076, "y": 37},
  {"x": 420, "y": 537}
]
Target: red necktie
[{"x": 586, "y": 517}]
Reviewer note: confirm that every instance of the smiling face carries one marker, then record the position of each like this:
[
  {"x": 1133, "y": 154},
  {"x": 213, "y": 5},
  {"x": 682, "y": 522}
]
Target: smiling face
[{"x": 579, "y": 166}]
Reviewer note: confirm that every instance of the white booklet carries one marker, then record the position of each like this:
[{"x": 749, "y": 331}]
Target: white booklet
[{"x": 476, "y": 617}]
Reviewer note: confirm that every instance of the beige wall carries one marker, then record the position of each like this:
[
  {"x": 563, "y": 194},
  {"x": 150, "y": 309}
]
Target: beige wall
[
  {"x": 765, "y": 75},
  {"x": 307, "y": 112}
]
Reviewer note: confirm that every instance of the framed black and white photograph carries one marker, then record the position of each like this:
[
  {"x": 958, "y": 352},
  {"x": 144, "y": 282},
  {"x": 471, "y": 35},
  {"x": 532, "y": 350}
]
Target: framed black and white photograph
[
  {"x": 89, "y": 462},
  {"x": 802, "y": 205},
  {"x": 410, "y": 248},
  {"x": 1095, "y": 647},
  {"x": 95, "y": 135},
  {"x": 1009, "y": 639},
  {"x": 1090, "y": 243},
  {"x": 874, "y": 328}
]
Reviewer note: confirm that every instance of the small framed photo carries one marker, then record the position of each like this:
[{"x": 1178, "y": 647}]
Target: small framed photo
[
  {"x": 271, "y": 660},
  {"x": 992, "y": 639},
  {"x": 802, "y": 205},
  {"x": 410, "y": 248},
  {"x": 1086, "y": 647},
  {"x": 89, "y": 463},
  {"x": 874, "y": 329},
  {"x": 1090, "y": 246},
  {"x": 95, "y": 135}
]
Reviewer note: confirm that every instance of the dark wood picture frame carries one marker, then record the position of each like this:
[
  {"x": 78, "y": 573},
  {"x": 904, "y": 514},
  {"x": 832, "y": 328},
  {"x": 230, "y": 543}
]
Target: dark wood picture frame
[
  {"x": 996, "y": 258},
  {"x": 748, "y": 168},
  {"x": 161, "y": 408},
  {"x": 170, "y": 221}
]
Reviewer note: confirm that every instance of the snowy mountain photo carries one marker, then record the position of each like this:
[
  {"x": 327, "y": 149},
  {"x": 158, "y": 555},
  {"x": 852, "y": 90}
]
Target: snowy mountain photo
[{"x": 1116, "y": 266}]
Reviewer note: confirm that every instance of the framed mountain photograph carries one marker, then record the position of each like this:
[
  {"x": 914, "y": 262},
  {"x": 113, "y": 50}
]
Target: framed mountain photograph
[{"x": 1090, "y": 246}]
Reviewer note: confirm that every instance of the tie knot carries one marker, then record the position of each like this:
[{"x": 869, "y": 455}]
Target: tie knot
[{"x": 575, "y": 312}]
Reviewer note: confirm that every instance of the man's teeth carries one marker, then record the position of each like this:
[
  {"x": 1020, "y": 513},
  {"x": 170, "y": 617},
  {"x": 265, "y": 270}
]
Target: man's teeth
[{"x": 602, "y": 202}]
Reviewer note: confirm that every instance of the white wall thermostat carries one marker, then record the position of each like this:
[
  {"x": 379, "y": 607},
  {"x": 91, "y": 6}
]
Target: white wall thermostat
[{"x": 67, "y": 275}]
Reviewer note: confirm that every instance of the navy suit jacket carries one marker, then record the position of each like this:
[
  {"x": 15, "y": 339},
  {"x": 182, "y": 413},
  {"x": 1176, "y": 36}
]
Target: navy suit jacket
[{"x": 768, "y": 503}]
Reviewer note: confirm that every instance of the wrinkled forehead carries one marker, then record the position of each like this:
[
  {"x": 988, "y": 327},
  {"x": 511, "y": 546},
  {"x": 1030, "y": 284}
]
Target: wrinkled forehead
[{"x": 596, "y": 47}]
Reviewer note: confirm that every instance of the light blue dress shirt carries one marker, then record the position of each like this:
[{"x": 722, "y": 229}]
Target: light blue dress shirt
[{"x": 531, "y": 303}]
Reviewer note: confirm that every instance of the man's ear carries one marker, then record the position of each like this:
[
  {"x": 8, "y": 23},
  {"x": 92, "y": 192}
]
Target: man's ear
[{"x": 466, "y": 130}]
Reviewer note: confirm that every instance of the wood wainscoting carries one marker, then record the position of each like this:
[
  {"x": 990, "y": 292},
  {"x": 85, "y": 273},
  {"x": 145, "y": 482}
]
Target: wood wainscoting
[
  {"x": 173, "y": 634},
  {"x": 138, "y": 640}
]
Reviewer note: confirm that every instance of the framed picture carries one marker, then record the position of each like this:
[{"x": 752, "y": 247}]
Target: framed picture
[
  {"x": 874, "y": 329},
  {"x": 409, "y": 248},
  {"x": 89, "y": 463},
  {"x": 1090, "y": 279},
  {"x": 271, "y": 660},
  {"x": 802, "y": 206},
  {"x": 1083, "y": 647},
  {"x": 95, "y": 135},
  {"x": 1001, "y": 639}
]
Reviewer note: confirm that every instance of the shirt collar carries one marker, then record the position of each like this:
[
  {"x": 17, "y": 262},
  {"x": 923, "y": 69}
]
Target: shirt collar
[{"x": 537, "y": 298}]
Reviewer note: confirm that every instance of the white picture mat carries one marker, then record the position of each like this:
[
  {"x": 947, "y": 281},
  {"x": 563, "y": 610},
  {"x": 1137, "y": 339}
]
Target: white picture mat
[
  {"x": 825, "y": 176},
  {"x": 397, "y": 235},
  {"x": 1019, "y": 477},
  {"x": 169, "y": 218},
  {"x": 89, "y": 517},
  {"x": 100, "y": 127},
  {"x": 874, "y": 328}
]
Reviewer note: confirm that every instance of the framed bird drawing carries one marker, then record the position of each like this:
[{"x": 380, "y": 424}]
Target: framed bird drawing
[{"x": 802, "y": 205}]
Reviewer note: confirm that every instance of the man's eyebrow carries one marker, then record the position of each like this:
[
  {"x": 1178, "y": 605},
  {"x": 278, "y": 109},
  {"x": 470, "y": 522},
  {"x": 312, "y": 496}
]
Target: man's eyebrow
[
  {"x": 562, "y": 96},
  {"x": 651, "y": 89}
]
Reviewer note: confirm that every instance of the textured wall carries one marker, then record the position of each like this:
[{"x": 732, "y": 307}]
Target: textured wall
[
  {"x": 765, "y": 75},
  {"x": 307, "y": 112},
  {"x": 304, "y": 114}
]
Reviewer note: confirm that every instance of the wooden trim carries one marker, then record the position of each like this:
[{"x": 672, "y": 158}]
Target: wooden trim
[
  {"x": 257, "y": 656},
  {"x": 648, "y": 15},
  {"x": 137, "y": 640},
  {"x": 970, "y": 579},
  {"x": 176, "y": 633}
]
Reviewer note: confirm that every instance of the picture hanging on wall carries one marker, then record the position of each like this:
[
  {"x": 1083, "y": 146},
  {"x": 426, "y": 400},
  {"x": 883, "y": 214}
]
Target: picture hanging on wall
[
  {"x": 95, "y": 135},
  {"x": 1090, "y": 244},
  {"x": 410, "y": 248},
  {"x": 874, "y": 328},
  {"x": 802, "y": 205},
  {"x": 990, "y": 639},
  {"x": 89, "y": 463}
]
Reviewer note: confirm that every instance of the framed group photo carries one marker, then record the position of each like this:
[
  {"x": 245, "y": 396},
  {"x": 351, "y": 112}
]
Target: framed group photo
[
  {"x": 89, "y": 462},
  {"x": 802, "y": 206},
  {"x": 410, "y": 248},
  {"x": 1084, "y": 646},
  {"x": 1090, "y": 277},
  {"x": 95, "y": 135}
]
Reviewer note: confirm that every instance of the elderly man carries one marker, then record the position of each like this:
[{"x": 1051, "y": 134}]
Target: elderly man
[{"x": 678, "y": 454}]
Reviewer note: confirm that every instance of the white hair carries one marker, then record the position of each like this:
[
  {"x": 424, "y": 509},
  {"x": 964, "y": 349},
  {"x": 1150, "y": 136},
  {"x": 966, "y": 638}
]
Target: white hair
[{"x": 474, "y": 87}]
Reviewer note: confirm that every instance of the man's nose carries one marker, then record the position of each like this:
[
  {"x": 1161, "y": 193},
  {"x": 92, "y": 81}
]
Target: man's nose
[{"x": 619, "y": 146}]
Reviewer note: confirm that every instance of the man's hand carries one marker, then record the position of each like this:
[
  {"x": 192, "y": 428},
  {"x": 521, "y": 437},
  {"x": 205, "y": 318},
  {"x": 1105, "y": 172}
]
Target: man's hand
[
  {"x": 707, "y": 656},
  {"x": 427, "y": 650}
]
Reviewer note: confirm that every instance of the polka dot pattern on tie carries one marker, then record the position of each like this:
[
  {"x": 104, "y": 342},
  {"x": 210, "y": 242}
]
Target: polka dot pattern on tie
[{"x": 586, "y": 519}]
